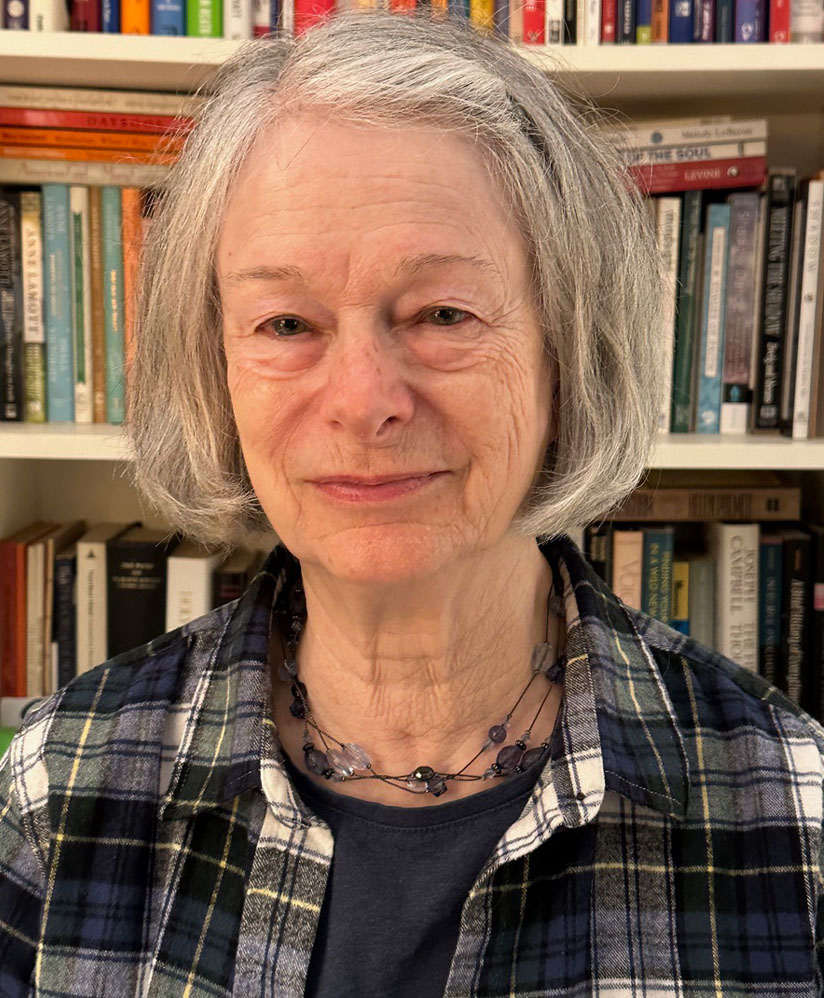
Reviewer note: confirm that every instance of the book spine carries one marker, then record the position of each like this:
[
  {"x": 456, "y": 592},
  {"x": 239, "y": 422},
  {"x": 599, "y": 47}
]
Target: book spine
[
  {"x": 136, "y": 593},
  {"x": 135, "y": 17},
  {"x": 788, "y": 370},
  {"x": 238, "y": 19},
  {"x": 308, "y": 13},
  {"x": 57, "y": 301},
  {"x": 626, "y": 22},
  {"x": 685, "y": 311},
  {"x": 48, "y": 15},
  {"x": 769, "y": 606},
  {"x": 535, "y": 22},
  {"x": 106, "y": 124},
  {"x": 667, "y": 178},
  {"x": 680, "y": 24},
  {"x": 796, "y": 593},
  {"x": 599, "y": 549},
  {"x": 110, "y": 16},
  {"x": 815, "y": 705},
  {"x": 643, "y": 22},
  {"x": 713, "y": 313},
  {"x": 570, "y": 32},
  {"x": 44, "y": 171},
  {"x": 112, "y": 226},
  {"x": 90, "y": 155},
  {"x": 34, "y": 337},
  {"x": 8, "y": 628},
  {"x": 15, "y": 15},
  {"x": 168, "y": 17},
  {"x": 780, "y": 502},
  {"x": 693, "y": 132},
  {"x": 34, "y": 619},
  {"x": 59, "y": 138},
  {"x": 808, "y": 310},
  {"x": 85, "y": 15},
  {"x": 705, "y": 152},
  {"x": 781, "y": 196},
  {"x": 11, "y": 308},
  {"x": 106, "y": 101},
  {"x": 736, "y": 398},
  {"x": 680, "y": 596},
  {"x": 260, "y": 13},
  {"x": 705, "y": 20},
  {"x": 656, "y": 595},
  {"x": 90, "y": 624},
  {"x": 660, "y": 21},
  {"x": 806, "y": 21},
  {"x": 204, "y": 18},
  {"x": 668, "y": 228},
  {"x": 98, "y": 311},
  {"x": 724, "y": 21},
  {"x": 81, "y": 304},
  {"x": 65, "y": 573},
  {"x": 735, "y": 547},
  {"x": 554, "y": 30},
  {"x": 628, "y": 566},
  {"x": 779, "y": 21},
  {"x": 188, "y": 589},
  {"x": 131, "y": 242},
  {"x": 702, "y": 601},
  {"x": 750, "y": 21}
]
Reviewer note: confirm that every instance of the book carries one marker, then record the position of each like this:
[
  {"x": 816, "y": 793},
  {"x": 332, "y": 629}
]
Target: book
[
  {"x": 668, "y": 228},
  {"x": 34, "y": 336},
  {"x": 54, "y": 543},
  {"x": 811, "y": 277},
  {"x": 136, "y": 587},
  {"x": 98, "y": 322},
  {"x": 769, "y": 604},
  {"x": 15, "y": 15},
  {"x": 815, "y": 692},
  {"x": 656, "y": 578},
  {"x": 673, "y": 496},
  {"x": 48, "y": 15},
  {"x": 707, "y": 131},
  {"x": 85, "y": 15},
  {"x": 131, "y": 242},
  {"x": 735, "y": 550},
  {"x": 81, "y": 297},
  {"x": 204, "y": 18},
  {"x": 135, "y": 17},
  {"x": 231, "y": 578},
  {"x": 779, "y": 21},
  {"x": 113, "y": 303},
  {"x": 534, "y": 30},
  {"x": 57, "y": 283},
  {"x": 92, "y": 127},
  {"x": 806, "y": 21},
  {"x": 785, "y": 411},
  {"x": 680, "y": 22},
  {"x": 98, "y": 100},
  {"x": 110, "y": 16},
  {"x": 78, "y": 138},
  {"x": 35, "y": 616},
  {"x": 628, "y": 566},
  {"x": 663, "y": 178},
  {"x": 750, "y": 21},
  {"x": 681, "y": 595},
  {"x": 685, "y": 312},
  {"x": 736, "y": 396},
  {"x": 711, "y": 348},
  {"x": 660, "y": 21},
  {"x": 19, "y": 170},
  {"x": 781, "y": 198},
  {"x": 643, "y": 22},
  {"x": 796, "y": 593},
  {"x": 238, "y": 19},
  {"x": 701, "y": 153},
  {"x": 168, "y": 17},
  {"x": 724, "y": 21},
  {"x": 189, "y": 585},
  {"x": 554, "y": 23},
  {"x": 11, "y": 308},
  {"x": 64, "y": 620},
  {"x": 92, "y": 594},
  {"x": 702, "y": 600},
  {"x": 598, "y": 540}
]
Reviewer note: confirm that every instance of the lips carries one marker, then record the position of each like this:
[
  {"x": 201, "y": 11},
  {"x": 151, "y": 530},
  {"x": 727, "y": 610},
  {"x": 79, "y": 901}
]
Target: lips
[
  {"x": 375, "y": 488},
  {"x": 367, "y": 480}
]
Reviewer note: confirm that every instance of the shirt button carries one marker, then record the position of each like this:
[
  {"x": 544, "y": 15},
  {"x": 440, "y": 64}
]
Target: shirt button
[{"x": 580, "y": 795}]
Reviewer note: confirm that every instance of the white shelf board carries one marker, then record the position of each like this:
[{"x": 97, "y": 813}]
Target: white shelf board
[
  {"x": 70, "y": 441},
  {"x": 612, "y": 73}
]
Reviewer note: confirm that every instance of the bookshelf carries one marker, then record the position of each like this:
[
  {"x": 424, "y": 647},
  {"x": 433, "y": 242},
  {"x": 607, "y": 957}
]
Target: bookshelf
[{"x": 64, "y": 470}]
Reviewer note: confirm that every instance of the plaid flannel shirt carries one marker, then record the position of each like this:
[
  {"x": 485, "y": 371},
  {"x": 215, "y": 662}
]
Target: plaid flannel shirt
[{"x": 152, "y": 845}]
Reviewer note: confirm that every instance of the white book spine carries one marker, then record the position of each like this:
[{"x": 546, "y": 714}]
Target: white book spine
[
  {"x": 14, "y": 170},
  {"x": 238, "y": 19},
  {"x": 554, "y": 22},
  {"x": 188, "y": 588},
  {"x": 287, "y": 17},
  {"x": 807, "y": 21},
  {"x": 35, "y": 565},
  {"x": 808, "y": 304},
  {"x": 13, "y": 709},
  {"x": 735, "y": 550},
  {"x": 706, "y": 153},
  {"x": 48, "y": 15},
  {"x": 91, "y": 605},
  {"x": 260, "y": 17},
  {"x": 668, "y": 229},
  {"x": 77, "y": 99},
  {"x": 81, "y": 303},
  {"x": 592, "y": 34},
  {"x": 690, "y": 132}
]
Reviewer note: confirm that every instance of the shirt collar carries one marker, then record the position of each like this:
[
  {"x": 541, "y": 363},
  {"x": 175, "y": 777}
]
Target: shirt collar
[{"x": 618, "y": 720}]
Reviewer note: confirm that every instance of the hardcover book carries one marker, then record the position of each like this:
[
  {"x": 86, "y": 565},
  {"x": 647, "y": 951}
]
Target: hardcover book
[{"x": 735, "y": 549}]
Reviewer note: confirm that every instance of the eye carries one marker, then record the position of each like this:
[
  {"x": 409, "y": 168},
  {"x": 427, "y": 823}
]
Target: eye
[
  {"x": 441, "y": 310},
  {"x": 282, "y": 326}
]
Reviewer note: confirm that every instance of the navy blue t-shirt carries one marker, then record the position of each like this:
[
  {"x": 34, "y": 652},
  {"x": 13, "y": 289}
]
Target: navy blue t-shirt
[{"x": 398, "y": 882}]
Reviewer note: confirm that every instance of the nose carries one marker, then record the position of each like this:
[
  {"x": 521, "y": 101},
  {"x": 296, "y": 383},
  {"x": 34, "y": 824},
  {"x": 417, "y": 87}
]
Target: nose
[{"x": 367, "y": 391}]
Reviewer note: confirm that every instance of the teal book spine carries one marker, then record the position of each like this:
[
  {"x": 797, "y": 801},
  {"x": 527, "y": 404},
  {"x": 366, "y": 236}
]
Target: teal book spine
[
  {"x": 656, "y": 577},
  {"x": 57, "y": 299},
  {"x": 711, "y": 355},
  {"x": 113, "y": 297},
  {"x": 685, "y": 312}
]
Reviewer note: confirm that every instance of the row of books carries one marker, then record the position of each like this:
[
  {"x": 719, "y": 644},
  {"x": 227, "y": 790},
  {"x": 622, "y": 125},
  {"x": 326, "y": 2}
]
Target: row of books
[
  {"x": 531, "y": 22},
  {"x": 74, "y": 595}
]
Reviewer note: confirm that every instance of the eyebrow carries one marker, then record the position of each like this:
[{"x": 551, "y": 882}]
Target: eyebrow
[{"x": 407, "y": 266}]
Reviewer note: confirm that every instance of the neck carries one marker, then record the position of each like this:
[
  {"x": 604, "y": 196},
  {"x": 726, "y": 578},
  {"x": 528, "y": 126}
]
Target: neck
[{"x": 417, "y": 673}]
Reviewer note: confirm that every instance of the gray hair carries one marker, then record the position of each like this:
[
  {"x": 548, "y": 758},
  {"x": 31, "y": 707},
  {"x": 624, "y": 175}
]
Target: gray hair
[{"x": 595, "y": 273}]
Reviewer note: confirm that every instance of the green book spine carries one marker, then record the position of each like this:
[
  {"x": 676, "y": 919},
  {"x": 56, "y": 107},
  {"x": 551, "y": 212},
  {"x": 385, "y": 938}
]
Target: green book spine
[
  {"x": 685, "y": 325},
  {"x": 113, "y": 302},
  {"x": 204, "y": 18},
  {"x": 656, "y": 579}
]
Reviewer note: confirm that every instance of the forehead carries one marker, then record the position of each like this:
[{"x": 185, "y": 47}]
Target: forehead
[{"x": 318, "y": 189}]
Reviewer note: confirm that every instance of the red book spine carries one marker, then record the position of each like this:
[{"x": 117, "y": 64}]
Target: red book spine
[
  {"x": 401, "y": 5},
  {"x": 534, "y": 22},
  {"x": 308, "y": 13},
  {"x": 779, "y": 21},
  {"x": 155, "y": 124},
  {"x": 8, "y": 657},
  {"x": 666, "y": 178},
  {"x": 85, "y": 15},
  {"x": 608, "y": 14}
]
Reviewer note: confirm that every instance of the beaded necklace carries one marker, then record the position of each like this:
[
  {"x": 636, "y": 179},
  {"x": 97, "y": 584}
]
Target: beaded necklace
[{"x": 349, "y": 761}]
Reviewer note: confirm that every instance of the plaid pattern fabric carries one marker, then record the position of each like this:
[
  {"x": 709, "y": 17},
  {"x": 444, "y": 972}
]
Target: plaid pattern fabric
[{"x": 152, "y": 845}]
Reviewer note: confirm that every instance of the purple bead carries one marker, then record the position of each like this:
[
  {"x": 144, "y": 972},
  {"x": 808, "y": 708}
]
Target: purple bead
[
  {"x": 541, "y": 656},
  {"x": 555, "y": 673},
  {"x": 531, "y": 756},
  {"x": 291, "y": 666},
  {"x": 436, "y": 787},
  {"x": 497, "y": 733},
  {"x": 509, "y": 757},
  {"x": 296, "y": 709},
  {"x": 284, "y": 674},
  {"x": 298, "y": 685},
  {"x": 316, "y": 761}
]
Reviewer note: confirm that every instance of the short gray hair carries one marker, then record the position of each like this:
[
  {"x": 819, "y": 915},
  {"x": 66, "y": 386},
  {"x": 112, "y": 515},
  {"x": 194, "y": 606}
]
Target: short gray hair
[{"x": 595, "y": 271}]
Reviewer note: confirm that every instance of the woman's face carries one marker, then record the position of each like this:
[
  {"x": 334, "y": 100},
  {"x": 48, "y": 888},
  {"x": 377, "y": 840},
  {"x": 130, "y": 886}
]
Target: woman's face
[{"x": 385, "y": 363}]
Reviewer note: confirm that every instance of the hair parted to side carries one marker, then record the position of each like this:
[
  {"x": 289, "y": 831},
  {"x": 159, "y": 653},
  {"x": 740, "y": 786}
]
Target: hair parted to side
[{"x": 595, "y": 270}]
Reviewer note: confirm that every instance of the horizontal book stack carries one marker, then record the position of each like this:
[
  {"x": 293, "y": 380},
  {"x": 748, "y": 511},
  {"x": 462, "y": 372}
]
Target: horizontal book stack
[
  {"x": 724, "y": 558},
  {"x": 741, "y": 255},
  {"x": 70, "y": 236},
  {"x": 529, "y": 22},
  {"x": 74, "y": 595}
]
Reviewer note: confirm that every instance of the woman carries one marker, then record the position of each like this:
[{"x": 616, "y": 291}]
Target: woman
[{"x": 396, "y": 306}]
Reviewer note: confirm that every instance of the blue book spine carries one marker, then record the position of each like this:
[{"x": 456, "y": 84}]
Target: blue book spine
[
  {"x": 274, "y": 14},
  {"x": 64, "y": 615},
  {"x": 168, "y": 17},
  {"x": 458, "y": 9},
  {"x": 750, "y": 21},
  {"x": 680, "y": 23},
  {"x": 57, "y": 283},
  {"x": 656, "y": 573},
  {"x": 711, "y": 356},
  {"x": 769, "y": 605},
  {"x": 112, "y": 226},
  {"x": 16, "y": 15},
  {"x": 110, "y": 16}
]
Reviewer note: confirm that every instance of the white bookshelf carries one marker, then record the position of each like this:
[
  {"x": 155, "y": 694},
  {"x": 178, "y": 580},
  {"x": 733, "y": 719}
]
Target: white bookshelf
[{"x": 69, "y": 470}]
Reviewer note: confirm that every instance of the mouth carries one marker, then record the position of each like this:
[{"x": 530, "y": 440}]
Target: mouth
[{"x": 372, "y": 488}]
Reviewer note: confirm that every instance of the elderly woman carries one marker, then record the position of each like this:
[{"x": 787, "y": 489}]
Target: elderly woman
[{"x": 397, "y": 305}]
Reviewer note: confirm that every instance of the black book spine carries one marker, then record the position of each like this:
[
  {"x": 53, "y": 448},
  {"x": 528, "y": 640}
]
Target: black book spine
[
  {"x": 227, "y": 586},
  {"x": 570, "y": 22},
  {"x": 795, "y": 596},
  {"x": 815, "y": 700},
  {"x": 64, "y": 621},
  {"x": 11, "y": 307},
  {"x": 599, "y": 549},
  {"x": 135, "y": 592},
  {"x": 780, "y": 203},
  {"x": 626, "y": 22}
]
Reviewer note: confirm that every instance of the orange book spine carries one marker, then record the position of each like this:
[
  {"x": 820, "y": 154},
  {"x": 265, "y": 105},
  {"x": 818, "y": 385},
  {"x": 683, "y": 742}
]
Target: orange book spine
[
  {"x": 132, "y": 240},
  {"x": 98, "y": 320},
  {"x": 19, "y": 663},
  {"x": 135, "y": 17},
  {"x": 75, "y": 139},
  {"x": 660, "y": 20},
  {"x": 86, "y": 155}
]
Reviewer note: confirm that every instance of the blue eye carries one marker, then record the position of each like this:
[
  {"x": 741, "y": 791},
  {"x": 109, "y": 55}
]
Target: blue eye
[
  {"x": 270, "y": 325},
  {"x": 447, "y": 309}
]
